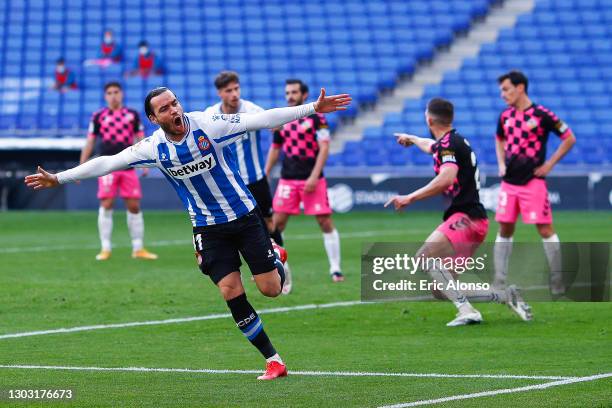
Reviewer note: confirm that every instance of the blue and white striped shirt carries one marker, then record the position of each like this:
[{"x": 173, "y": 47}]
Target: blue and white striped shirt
[
  {"x": 247, "y": 149},
  {"x": 201, "y": 169}
]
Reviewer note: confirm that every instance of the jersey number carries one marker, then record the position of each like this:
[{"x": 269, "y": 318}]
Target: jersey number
[
  {"x": 198, "y": 242},
  {"x": 476, "y": 171}
]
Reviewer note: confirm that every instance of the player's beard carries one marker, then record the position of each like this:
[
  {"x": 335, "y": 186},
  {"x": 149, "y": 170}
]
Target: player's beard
[{"x": 174, "y": 129}]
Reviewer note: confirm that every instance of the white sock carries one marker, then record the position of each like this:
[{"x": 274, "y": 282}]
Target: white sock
[
  {"x": 105, "y": 227},
  {"x": 275, "y": 357},
  {"x": 331, "y": 240},
  {"x": 135, "y": 224},
  {"x": 443, "y": 276},
  {"x": 488, "y": 296},
  {"x": 501, "y": 258},
  {"x": 552, "y": 248}
]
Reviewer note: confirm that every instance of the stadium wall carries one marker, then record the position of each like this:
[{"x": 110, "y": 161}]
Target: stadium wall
[{"x": 591, "y": 191}]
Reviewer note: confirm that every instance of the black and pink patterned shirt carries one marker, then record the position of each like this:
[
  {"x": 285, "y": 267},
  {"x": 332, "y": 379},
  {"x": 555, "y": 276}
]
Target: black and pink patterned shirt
[
  {"x": 300, "y": 141},
  {"x": 526, "y": 133},
  {"x": 454, "y": 150},
  {"x": 114, "y": 130}
]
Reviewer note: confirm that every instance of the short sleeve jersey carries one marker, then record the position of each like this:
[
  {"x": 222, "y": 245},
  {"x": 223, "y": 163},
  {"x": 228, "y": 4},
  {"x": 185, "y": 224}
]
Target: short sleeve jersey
[
  {"x": 114, "y": 130},
  {"x": 300, "y": 141},
  {"x": 526, "y": 134},
  {"x": 454, "y": 150}
]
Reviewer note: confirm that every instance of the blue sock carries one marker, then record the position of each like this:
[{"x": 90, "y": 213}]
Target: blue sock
[{"x": 250, "y": 325}]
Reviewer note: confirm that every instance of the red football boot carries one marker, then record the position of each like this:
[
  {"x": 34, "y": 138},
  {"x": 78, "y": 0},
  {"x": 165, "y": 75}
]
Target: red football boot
[
  {"x": 274, "y": 369},
  {"x": 280, "y": 251}
]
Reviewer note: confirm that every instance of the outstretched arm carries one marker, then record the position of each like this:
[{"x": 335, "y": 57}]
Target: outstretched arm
[
  {"x": 272, "y": 118},
  {"x": 226, "y": 129},
  {"x": 439, "y": 184},
  {"x": 97, "y": 167},
  {"x": 407, "y": 140},
  {"x": 139, "y": 155}
]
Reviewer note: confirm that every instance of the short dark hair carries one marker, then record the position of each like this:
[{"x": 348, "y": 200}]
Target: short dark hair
[
  {"x": 516, "y": 78},
  {"x": 152, "y": 94},
  {"x": 441, "y": 111},
  {"x": 293, "y": 81},
  {"x": 225, "y": 78},
  {"x": 143, "y": 43},
  {"x": 112, "y": 84},
  {"x": 60, "y": 60}
]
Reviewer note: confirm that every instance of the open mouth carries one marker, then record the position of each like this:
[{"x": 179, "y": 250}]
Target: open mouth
[{"x": 178, "y": 121}]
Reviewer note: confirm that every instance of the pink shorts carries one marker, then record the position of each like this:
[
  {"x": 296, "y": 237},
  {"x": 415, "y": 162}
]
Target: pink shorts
[
  {"x": 290, "y": 193},
  {"x": 531, "y": 200},
  {"x": 125, "y": 180},
  {"x": 464, "y": 233}
]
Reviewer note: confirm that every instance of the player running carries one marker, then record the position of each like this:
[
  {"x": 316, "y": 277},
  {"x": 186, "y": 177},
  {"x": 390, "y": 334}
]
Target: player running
[
  {"x": 111, "y": 130},
  {"x": 305, "y": 144},
  {"x": 522, "y": 134},
  {"x": 189, "y": 149},
  {"x": 465, "y": 220}
]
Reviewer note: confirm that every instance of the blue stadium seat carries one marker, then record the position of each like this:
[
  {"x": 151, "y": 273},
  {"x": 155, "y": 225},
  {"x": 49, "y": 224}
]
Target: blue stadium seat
[{"x": 562, "y": 45}]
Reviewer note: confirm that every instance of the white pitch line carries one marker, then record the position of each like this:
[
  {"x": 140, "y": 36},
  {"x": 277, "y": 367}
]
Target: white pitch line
[
  {"x": 501, "y": 391},
  {"x": 303, "y": 373},
  {"x": 178, "y": 320},
  {"x": 216, "y": 316},
  {"x": 163, "y": 243}
]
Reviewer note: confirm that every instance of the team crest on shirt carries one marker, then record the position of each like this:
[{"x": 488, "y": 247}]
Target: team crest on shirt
[
  {"x": 532, "y": 123},
  {"x": 203, "y": 143}
]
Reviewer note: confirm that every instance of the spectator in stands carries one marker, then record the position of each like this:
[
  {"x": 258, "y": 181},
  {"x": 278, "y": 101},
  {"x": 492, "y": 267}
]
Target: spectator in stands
[
  {"x": 64, "y": 77},
  {"x": 147, "y": 63},
  {"x": 110, "y": 52},
  {"x": 110, "y": 49}
]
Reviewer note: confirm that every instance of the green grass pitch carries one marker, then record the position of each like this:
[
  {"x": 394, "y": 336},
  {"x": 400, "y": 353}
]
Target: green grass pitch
[{"x": 49, "y": 280}]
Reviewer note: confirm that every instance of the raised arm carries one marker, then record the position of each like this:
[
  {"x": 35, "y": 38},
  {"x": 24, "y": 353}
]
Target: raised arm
[
  {"x": 225, "y": 129},
  {"x": 272, "y": 118}
]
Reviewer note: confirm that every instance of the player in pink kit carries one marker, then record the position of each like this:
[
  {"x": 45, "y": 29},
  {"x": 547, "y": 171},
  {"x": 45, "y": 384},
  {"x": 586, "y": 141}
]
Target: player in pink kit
[
  {"x": 305, "y": 144},
  {"x": 112, "y": 129},
  {"x": 465, "y": 219},
  {"x": 522, "y": 134}
]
